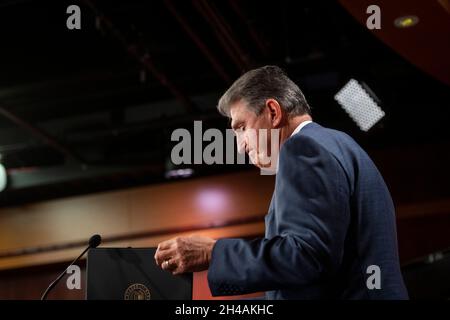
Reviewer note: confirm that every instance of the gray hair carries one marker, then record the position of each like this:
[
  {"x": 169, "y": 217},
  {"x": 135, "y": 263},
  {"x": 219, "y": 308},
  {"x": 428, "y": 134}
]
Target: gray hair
[{"x": 257, "y": 85}]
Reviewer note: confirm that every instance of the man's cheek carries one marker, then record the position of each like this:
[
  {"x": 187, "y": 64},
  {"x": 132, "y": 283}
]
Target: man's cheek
[
  {"x": 253, "y": 155},
  {"x": 241, "y": 148},
  {"x": 240, "y": 143}
]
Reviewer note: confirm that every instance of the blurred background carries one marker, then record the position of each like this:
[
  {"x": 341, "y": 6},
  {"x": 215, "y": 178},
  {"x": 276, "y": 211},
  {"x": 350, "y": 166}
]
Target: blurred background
[{"x": 86, "y": 118}]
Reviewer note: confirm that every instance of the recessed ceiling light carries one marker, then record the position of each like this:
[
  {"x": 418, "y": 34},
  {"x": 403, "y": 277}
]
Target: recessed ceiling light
[{"x": 406, "y": 21}]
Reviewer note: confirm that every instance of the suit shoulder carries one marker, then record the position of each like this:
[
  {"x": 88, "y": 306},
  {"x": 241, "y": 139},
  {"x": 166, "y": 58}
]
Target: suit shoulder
[
  {"x": 307, "y": 145},
  {"x": 308, "y": 150},
  {"x": 332, "y": 140},
  {"x": 309, "y": 137}
]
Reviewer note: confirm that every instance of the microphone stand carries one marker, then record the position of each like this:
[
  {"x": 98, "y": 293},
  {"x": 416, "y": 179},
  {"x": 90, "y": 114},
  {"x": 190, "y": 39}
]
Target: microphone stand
[{"x": 50, "y": 287}]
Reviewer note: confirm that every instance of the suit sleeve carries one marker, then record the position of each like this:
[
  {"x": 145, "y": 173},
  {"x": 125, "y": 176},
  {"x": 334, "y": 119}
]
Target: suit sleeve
[{"x": 312, "y": 216}]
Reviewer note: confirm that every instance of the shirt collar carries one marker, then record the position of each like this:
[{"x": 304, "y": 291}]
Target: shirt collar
[{"x": 300, "y": 126}]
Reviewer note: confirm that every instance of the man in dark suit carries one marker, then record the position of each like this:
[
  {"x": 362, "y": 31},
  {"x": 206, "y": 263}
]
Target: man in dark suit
[{"x": 330, "y": 229}]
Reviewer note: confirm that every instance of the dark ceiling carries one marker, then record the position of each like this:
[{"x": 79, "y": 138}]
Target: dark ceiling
[{"x": 93, "y": 109}]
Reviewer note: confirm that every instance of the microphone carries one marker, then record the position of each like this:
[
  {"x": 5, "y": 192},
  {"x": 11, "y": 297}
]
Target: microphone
[{"x": 94, "y": 242}]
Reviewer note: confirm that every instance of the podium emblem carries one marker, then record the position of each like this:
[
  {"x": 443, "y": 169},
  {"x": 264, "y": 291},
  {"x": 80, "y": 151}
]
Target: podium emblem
[{"x": 137, "y": 291}]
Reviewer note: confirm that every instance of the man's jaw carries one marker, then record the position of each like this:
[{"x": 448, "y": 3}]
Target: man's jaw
[{"x": 259, "y": 159}]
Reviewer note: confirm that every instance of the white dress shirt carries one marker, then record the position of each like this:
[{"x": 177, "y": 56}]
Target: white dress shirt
[{"x": 300, "y": 126}]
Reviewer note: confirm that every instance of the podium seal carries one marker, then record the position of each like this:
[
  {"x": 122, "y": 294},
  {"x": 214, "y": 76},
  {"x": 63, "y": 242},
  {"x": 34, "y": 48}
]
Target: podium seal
[{"x": 137, "y": 291}]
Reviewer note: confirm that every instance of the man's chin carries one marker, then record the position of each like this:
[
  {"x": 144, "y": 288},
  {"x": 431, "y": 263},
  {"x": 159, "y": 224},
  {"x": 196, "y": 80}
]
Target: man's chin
[
  {"x": 255, "y": 159},
  {"x": 262, "y": 166}
]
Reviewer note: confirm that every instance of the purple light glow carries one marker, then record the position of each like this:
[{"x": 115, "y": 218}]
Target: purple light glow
[{"x": 212, "y": 200}]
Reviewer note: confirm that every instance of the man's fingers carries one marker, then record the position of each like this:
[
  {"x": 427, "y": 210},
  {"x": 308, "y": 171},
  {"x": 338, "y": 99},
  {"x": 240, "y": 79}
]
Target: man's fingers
[
  {"x": 163, "y": 246},
  {"x": 169, "y": 265},
  {"x": 166, "y": 244},
  {"x": 161, "y": 256},
  {"x": 178, "y": 269},
  {"x": 167, "y": 256}
]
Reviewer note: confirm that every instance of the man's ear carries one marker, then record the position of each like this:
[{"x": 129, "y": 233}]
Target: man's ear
[{"x": 275, "y": 112}]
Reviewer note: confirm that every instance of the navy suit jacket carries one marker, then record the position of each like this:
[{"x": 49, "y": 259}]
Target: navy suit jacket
[{"x": 330, "y": 218}]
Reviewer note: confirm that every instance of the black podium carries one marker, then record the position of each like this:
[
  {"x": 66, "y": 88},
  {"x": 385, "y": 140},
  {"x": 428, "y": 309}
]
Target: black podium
[{"x": 132, "y": 274}]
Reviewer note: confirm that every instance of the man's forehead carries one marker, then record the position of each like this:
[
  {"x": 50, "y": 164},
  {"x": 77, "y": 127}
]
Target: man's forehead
[
  {"x": 237, "y": 110},
  {"x": 237, "y": 117}
]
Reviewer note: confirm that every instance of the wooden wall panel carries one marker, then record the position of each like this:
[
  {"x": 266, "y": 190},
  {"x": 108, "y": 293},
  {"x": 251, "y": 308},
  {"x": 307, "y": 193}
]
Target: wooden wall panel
[
  {"x": 64, "y": 220},
  {"x": 200, "y": 202},
  {"x": 167, "y": 209}
]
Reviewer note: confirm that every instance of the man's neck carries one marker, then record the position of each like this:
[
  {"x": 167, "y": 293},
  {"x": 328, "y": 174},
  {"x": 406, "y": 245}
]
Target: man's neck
[{"x": 292, "y": 124}]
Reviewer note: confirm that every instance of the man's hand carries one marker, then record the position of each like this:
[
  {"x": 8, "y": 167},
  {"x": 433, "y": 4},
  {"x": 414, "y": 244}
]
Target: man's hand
[{"x": 185, "y": 254}]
